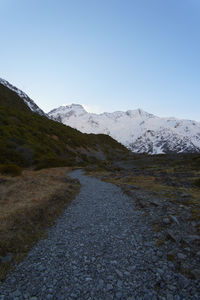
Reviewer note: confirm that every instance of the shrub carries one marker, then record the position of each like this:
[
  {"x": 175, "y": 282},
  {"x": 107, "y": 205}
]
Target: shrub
[
  {"x": 54, "y": 163},
  {"x": 197, "y": 182},
  {"x": 12, "y": 170}
]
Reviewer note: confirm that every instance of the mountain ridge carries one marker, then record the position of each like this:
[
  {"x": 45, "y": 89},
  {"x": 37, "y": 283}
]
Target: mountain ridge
[
  {"x": 138, "y": 130},
  {"x": 27, "y": 100}
]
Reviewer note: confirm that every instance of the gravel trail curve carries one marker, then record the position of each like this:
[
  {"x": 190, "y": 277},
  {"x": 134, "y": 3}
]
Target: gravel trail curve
[{"x": 100, "y": 248}]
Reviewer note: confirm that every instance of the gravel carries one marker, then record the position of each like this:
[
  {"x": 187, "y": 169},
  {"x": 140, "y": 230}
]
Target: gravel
[{"x": 100, "y": 248}]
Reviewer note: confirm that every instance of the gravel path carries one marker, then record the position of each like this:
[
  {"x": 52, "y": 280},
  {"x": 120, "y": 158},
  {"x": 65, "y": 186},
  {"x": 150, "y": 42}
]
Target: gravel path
[{"x": 100, "y": 248}]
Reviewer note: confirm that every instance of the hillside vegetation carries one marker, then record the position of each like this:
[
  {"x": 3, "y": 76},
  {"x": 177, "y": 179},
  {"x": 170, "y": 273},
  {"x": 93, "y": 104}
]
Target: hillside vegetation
[{"x": 28, "y": 139}]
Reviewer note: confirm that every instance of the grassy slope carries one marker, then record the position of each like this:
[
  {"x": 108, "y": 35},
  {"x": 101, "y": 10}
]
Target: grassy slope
[{"x": 28, "y": 139}]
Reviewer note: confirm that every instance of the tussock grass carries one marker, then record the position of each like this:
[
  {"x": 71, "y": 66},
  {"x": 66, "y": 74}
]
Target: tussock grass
[
  {"x": 197, "y": 182},
  {"x": 159, "y": 242},
  {"x": 11, "y": 170},
  {"x": 28, "y": 205}
]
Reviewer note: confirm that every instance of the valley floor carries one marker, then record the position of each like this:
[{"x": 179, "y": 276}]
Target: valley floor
[{"x": 100, "y": 248}]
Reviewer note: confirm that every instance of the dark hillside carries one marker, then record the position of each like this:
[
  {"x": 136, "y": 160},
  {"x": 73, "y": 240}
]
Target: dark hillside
[{"x": 28, "y": 139}]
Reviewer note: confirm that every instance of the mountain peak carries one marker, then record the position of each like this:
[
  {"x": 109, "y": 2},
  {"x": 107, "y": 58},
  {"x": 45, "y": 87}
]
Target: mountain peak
[
  {"x": 67, "y": 111},
  {"x": 138, "y": 113},
  {"x": 77, "y": 107}
]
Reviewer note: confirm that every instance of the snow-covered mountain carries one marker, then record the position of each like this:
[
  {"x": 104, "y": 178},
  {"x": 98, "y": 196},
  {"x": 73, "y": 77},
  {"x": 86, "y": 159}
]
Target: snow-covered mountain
[
  {"x": 29, "y": 102},
  {"x": 136, "y": 129}
]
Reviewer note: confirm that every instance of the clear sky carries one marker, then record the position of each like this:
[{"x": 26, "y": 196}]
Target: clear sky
[{"x": 106, "y": 54}]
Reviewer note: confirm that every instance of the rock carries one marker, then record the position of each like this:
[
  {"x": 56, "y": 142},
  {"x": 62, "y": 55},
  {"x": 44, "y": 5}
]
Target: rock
[
  {"x": 132, "y": 268},
  {"x": 3, "y": 180},
  {"x": 183, "y": 281},
  {"x": 194, "y": 224},
  {"x": 198, "y": 253},
  {"x": 127, "y": 273},
  {"x": 17, "y": 293},
  {"x": 171, "y": 287},
  {"x": 147, "y": 297},
  {"x": 170, "y": 264},
  {"x": 159, "y": 253},
  {"x": 173, "y": 236},
  {"x": 187, "y": 249},
  {"x": 175, "y": 219},
  {"x": 177, "y": 297},
  {"x": 196, "y": 273},
  {"x": 185, "y": 196},
  {"x": 160, "y": 271},
  {"x": 154, "y": 202},
  {"x": 181, "y": 256},
  {"x": 135, "y": 187},
  {"x": 13, "y": 280},
  {"x": 119, "y": 284},
  {"x": 6, "y": 259},
  {"x": 109, "y": 287},
  {"x": 154, "y": 258},
  {"x": 100, "y": 284},
  {"x": 118, "y": 295},
  {"x": 119, "y": 273},
  {"x": 192, "y": 238},
  {"x": 41, "y": 268},
  {"x": 113, "y": 262},
  {"x": 166, "y": 221},
  {"x": 169, "y": 296},
  {"x": 88, "y": 279}
]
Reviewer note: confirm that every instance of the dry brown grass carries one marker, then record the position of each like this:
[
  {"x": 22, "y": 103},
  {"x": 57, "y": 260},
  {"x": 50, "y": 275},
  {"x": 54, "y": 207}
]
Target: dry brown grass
[
  {"x": 28, "y": 205},
  {"x": 145, "y": 182}
]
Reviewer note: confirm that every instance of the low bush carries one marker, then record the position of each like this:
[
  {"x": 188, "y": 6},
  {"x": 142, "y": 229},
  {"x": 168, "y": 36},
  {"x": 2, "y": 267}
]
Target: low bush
[
  {"x": 54, "y": 163},
  {"x": 11, "y": 170},
  {"x": 197, "y": 182}
]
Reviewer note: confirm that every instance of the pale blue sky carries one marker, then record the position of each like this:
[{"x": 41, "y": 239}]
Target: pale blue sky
[{"x": 106, "y": 54}]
